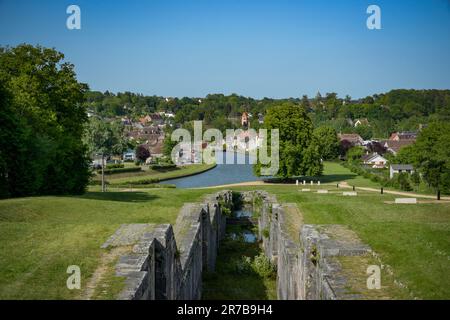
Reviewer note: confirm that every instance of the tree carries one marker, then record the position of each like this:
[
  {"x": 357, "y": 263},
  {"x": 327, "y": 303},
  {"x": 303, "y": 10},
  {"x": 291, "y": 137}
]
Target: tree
[
  {"x": 431, "y": 155},
  {"x": 298, "y": 153},
  {"x": 327, "y": 141},
  {"x": 364, "y": 131},
  {"x": 142, "y": 153},
  {"x": 354, "y": 154},
  {"x": 105, "y": 139},
  {"x": 41, "y": 124}
]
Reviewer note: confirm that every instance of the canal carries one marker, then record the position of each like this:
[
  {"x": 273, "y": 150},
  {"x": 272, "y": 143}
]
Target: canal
[
  {"x": 226, "y": 173},
  {"x": 242, "y": 270}
]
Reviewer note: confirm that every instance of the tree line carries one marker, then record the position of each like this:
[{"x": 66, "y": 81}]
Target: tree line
[{"x": 46, "y": 139}]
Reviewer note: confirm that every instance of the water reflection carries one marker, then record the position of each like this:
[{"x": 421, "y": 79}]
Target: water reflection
[
  {"x": 244, "y": 212},
  {"x": 227, "y": 173},
  {"x": 245, "y": 235}
]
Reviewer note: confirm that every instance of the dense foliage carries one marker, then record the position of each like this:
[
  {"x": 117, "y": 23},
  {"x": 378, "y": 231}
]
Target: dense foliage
[
  {"x": 397, "y": 110},
  {"x": 41, "y": 124},
  {"x": 299, "y": 154},
  {"x": 430, "y": 155}
]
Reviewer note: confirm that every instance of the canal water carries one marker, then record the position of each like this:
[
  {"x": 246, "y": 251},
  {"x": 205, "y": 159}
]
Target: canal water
[
  {"x": 242, "y": 271},
  {"x": 226, "y": 173}
]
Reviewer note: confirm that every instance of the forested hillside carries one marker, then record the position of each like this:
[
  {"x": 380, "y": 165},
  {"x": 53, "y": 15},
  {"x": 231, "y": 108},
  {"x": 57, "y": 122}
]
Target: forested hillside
[{"x": 397, "y": 110}]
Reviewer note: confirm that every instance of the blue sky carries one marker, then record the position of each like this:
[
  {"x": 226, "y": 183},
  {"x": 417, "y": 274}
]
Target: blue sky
[{"x": 256, "y": 48}]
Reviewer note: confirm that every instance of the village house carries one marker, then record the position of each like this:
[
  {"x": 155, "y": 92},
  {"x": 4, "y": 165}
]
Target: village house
[
  {"x": 129, "y": 155},
  {"x": 354, "y": 138},
  {"x": 394, "y": 146},
  {"x": 405, "y": 135},
  {"x": 361, "y": 122},
  {"x": 399, "y": 168},
  {"x": 375, "y": 161},
  {"x": 126, "y": 121},
  {"x": 167, "y": 114},
  {"x": 153, "y": 118},
  {"x": 245, "y": 119},
  {"x": 260, "y": 118},
  {"x": 145, "y": 120}
]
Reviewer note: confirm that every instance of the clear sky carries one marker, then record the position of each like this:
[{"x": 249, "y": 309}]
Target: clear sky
[{"x": 256, "y": 48}]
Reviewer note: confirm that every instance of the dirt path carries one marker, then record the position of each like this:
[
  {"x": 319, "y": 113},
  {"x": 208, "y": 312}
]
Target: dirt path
[
  {"x": 400, "y": 193},
  {"x": 343, "y": 184},
  {"x": 105, "y": 261}
]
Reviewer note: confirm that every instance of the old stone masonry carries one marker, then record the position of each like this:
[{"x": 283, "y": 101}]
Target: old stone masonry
[{"x": 167, "y": 262}]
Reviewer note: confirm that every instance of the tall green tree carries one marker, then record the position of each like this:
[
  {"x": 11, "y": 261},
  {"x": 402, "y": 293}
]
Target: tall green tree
[
  {"x": 431, "y": 155},
  {"x": 299, "y": 155},
  {"x": 327, "y": 141},
  {"x": 105, "y": 139},
  {"x": 42, "y": 120}
]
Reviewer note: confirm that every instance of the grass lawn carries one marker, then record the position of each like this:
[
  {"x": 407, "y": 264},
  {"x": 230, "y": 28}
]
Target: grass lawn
[
  {"x": 334, "y": 173},
  {"x": 161, "y": 175},
  {"x": 41, "y": 236},
  {"x": 413, "y": 239}
]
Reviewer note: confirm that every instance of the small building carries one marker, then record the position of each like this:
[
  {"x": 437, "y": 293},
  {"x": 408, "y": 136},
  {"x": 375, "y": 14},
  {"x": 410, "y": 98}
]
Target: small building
[
  {"x": 375, "y": 160},
  {"x": 354, "y": 138},
  {"x": 145, "y": 120},
  {"x": 400, "y": 168},
  {"x": 394, "y": 146},
  {"x": 245, "y": 119},
  {"x": 361, "y": 122},
  {"x": 405, "y": 135},
  {"x": 260, "y": 118},
  {"x": 126, "y": 121},
  {"x": 129, "y": 155}
]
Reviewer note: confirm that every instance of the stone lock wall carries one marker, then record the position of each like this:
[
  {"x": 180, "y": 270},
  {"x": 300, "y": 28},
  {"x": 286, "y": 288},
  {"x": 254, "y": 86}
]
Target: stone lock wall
[
  {"x": 307, "y": 266},
  {"x": 167, "y": 262}
]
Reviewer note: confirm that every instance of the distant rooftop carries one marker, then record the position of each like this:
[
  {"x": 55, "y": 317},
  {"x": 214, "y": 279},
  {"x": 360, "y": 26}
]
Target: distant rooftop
[{"x": 402, "y": 166}]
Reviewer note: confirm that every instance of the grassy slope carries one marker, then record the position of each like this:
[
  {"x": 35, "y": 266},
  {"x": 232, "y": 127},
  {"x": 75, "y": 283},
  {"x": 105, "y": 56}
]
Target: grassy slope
[
  {"x": 334, "y": 173},
  {"x": 413, "y": 239},
  {"x": 40, "y": 237}
]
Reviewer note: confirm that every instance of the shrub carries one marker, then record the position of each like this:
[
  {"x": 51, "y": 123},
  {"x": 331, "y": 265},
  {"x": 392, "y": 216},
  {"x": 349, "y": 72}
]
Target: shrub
[
  {"x": 115, "y": 166},
  {"x": 163, "y": 166},
  {"x": 142, "y": 181},
  {"x": 263, "y": 267},
  {"x": 120, "y": 170},
  {"x": 243, "y": 265},
  {"x": 152, "y": 185},
  {"x": 97, "y": 183}
]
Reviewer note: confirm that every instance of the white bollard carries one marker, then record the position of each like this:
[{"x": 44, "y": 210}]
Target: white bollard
[
  {"x": 296, "y": 182},
  {"x": 304, "y": 182},
  {"x": 306, "y": 190},
  {"x": 312, "y": 183},
  {"x": 318, "y": 183}
]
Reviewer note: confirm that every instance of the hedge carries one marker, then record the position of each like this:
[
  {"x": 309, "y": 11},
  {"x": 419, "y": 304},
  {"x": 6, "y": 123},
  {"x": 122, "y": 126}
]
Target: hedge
[
  {"x": 163, "y": 166},
  {"x": 120, "y": 170}
]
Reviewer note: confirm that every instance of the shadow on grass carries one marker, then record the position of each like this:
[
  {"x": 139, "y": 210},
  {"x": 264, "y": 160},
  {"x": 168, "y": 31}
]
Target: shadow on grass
[{"x": 119, "y": 196}]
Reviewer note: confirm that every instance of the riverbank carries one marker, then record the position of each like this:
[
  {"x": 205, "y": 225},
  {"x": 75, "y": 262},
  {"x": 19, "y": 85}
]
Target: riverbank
[{"x": 155, "y": 176}]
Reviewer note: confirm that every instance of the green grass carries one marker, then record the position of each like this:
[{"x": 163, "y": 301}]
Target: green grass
[
  {"x": 335, "y": 172},
  {"x": 157, "y": 175},
  {"x": 228, "y": 283},
  {"x": 40, "y": 237},
  {"x": 413, "y": 239}
]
